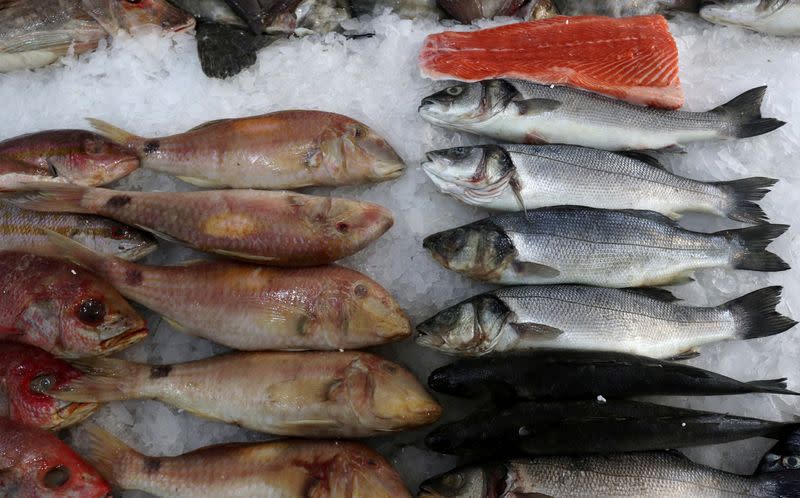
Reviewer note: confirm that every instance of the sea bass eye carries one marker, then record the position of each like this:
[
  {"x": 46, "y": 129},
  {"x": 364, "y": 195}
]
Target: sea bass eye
[
  {"x": 56, "y": 477},
  {"x": 791, "y": 462},
  {"x": 42, "y": 383},
  {"x": 455, "y": 91},
  {"x": 91, "y": 312}
]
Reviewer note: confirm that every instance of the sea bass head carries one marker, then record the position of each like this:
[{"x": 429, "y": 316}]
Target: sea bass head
[
  {"x": 352, "y": 150},
  {"x": 471, "y": 327},
  {"x": 480, "y": 250},
  {"x": 475, "y": 175},
  {"x": 37, "y": 463},
  {"x": 760, "y": 15},
  {"x": 128, "y": 15},
  {"x": 73, "y": 313},
  {"x": 385, "y": 396},
  {"x": 26, "y": 373},
  {"x": 78, "y": 156},
  {"x": 474, "y": 481},
  {"x": 467, "y": 103}
]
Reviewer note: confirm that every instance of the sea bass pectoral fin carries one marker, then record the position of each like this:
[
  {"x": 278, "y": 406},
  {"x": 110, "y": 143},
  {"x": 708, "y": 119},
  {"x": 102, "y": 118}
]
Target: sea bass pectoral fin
[
  {"x": 686, "y": 355},
  {"x": 531, "y": 107},
  {"x": 643, "y": 157},
  {"x": 653, "y": 293},
  {"x": 535, "y": 269},
  {"x": 536, "y": 330}
]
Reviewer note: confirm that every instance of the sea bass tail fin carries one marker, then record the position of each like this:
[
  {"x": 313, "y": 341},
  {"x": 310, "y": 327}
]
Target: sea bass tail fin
[
  {"x": 744, "y": 112},
  {"x": 743, "y": 196},
  {"x": 117, "y": 135},
  {"x": 773, "y": 386},
  {"x": 751, "y": 243},
  {"x": 105, "y": 379},
  {"x": 755, "y": 314},
  {"x": 110, "y": 456},
  {"x": 47, "y": 195}
]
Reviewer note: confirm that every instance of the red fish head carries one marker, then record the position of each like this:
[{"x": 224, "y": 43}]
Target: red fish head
[
  {"x": 94, "y": 160},
  {"x": 38, "y": 464},
  {"x": 365, "y": 150},
  {"x": 155, "y": 12},
  {"x": 26, "y": 374}
]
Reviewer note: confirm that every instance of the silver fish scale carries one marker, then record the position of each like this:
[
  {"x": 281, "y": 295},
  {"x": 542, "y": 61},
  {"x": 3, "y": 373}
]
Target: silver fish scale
[
  {"x": 622, "y": 8},
  {"x": 32, "y": 16},
  {"x": 640, "y": 475},
  {"x": 609, "y": 248},
  {"x": 548, "y": 173},
  {"x": 596, "y": 318},
  {"x": 587, "y": 107}
]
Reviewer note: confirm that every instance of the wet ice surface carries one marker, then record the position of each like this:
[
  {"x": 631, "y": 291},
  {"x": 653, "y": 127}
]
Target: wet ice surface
[{"x": 153, "y": 85}]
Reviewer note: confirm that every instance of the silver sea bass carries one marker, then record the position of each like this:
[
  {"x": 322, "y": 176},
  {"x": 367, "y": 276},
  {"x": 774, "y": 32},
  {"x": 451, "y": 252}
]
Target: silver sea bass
[
  {"x": 577, "y": 245},
  {"x": 514, "y": 177},
  {"x": 773, "y": 17},
  {"x": 622, "y": 8},
  {"x": 524, "y": 112},
  {"x": 632, "y": 475},
  {"x": 640, "y": 321}
]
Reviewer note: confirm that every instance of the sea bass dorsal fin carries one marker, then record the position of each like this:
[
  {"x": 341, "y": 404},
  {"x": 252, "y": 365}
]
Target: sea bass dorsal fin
[
  {"x": 530, "y": 107},
  {"x": 537, "y": 330},
  {"x": 653, "y": 293},
  {"x": 643, "y": 157}
]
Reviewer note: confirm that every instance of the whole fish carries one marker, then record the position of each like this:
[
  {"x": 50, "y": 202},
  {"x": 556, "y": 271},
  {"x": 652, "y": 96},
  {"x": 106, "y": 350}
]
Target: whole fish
[
  {"x": 773, "y": 17},
  {"x": 37, "y": 464},
  {"x": 78, "y": 156},
  {"x": 39, "y": 32},
  {"x": 62, "y": 308},
  {"x": 292, "y": 468},
  {"x": 286, "y": 149},
  {"x": 516, "y": 177},
  {"x": 575, "y": 427},
  {"x": 622, "y": 8},
  {"x": 277, "y": 228},
  {"x": 553, "y": 374},
  {"x": 253, "y": 307},
  {"x": 21, "y": 230},
  {"x": 313, "y": 394},
  {"x": 637, "y": 321},
  {"x": 569, "y": 244},
  {"x": 633, "y": 475},
  {"x": 26, "y": 373},
  {"x": 524, "y": 112}
]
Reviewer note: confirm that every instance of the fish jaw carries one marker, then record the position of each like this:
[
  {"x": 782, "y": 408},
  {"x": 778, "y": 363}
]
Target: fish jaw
[
  {"x": 368, "y": 152},
  {"x": 70, "y": 414},
  {"x": 122, "y": 341}
]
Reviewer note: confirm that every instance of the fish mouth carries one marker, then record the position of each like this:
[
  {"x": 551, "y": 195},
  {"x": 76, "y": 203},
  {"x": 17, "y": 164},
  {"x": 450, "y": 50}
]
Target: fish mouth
[
  {"x": 138, "y": 252},
  {"x": 122, "y": 341},
  {"x": 426, "y": 492},
  {"x": 427, "y": 339},
  {"x": 71, "y": 414}
]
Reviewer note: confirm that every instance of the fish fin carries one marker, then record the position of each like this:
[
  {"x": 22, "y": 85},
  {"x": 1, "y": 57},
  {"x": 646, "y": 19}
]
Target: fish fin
[
  {"x": 755, "y": 314},
  {"x": 750, "y": 246},
  {"x": 536, "y": 106},
  {"x": 536, "y": 269},
  {"x": 161, "y": 235},
  {"x": 225, "y": 50},
  {"x": 106, "y": 379},
  {"x": 520, "y": 494},
  {"x": 44, "y": 195},
  {"x": 244, "y": 256},
  {"x": 643, "y": 157},
  {"x": 174, "y": 324},
  {"x": 199, "y": 182},
  {"x": 743, "y": 196},
  {"x": 208, "y": 124},
  {"x": 115, "y": 134},
  {"x": 516, "y": 189},
  {"x": 686, "y": 355},
  {"x": 81, "y": 255},
  {"x": 110, "y": 456},
  {"x": 310, "y": 425},
  {"x": 653, "y": 293},
  {"x": 744, "y": 112},
  {"x": 536, "y": 329},
  {"x": 773, "y": 386},
  {"x": 651, "y": 215}
]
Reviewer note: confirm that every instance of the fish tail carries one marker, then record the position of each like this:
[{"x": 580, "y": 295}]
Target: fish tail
[
  {"x": 755, "y": 315},
  {"x": 751, "y": 247},
  {"x": 46, "y": 196},
  {"x": 117, "y": 135},
  {"x": 105, "y": 379},
  {"x": 744, "y": 113},
  {"x": 742, "y": 196},
  {"x": 774, "y": 386},
  {"x": 110, "y": 456}
]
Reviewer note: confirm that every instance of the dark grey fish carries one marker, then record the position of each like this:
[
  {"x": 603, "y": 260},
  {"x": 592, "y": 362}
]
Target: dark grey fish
[
  {"x": 568, "y": 244},
  {"x": 581, "y": 427}
]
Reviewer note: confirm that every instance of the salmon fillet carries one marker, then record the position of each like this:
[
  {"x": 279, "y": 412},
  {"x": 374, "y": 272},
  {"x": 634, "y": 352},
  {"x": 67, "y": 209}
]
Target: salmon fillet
[{"x": 633, "y": 59}]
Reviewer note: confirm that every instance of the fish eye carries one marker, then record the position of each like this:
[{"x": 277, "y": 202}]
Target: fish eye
[
  {"x": 42, "y": 383},
  {"x": 460, "y": 152},
  {"x": 134, "y": 2},
  {"x": 360, "y": 290},
  {"x": 453, "y": 481},
  {"x": 342, "y": 227},
  {"x": 91, "y": 311},
  {"x": 119, "y": 232},
  {"x": 791, "y": 462},
  {"x": 455, "y": 91},
  {"x": 56, "y": 477},
  {"x": 359, "y": 132}
]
